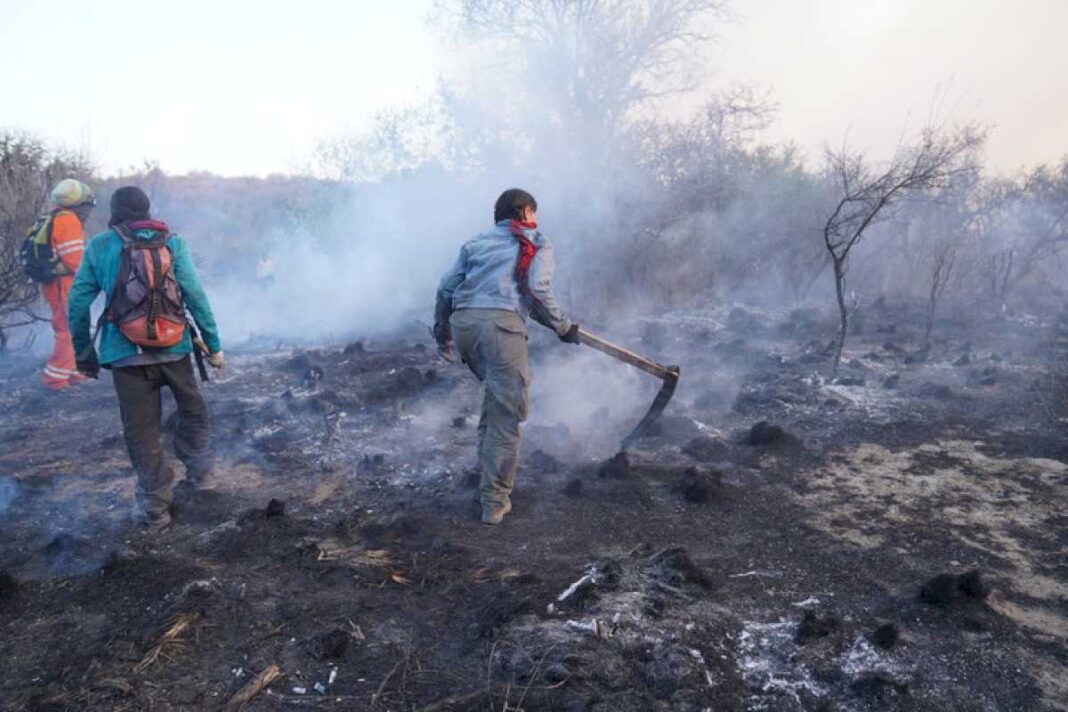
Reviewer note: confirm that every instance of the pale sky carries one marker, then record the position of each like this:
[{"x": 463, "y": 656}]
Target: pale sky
[{"x": 241, "y": 88}]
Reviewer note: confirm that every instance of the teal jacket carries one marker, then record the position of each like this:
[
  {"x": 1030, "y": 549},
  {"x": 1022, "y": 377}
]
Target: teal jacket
[{"x": 100, "y": 266}]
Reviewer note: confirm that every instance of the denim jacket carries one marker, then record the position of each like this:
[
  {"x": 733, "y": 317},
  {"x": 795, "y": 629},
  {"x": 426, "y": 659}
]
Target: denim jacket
[{"x": 483, "y": 277}]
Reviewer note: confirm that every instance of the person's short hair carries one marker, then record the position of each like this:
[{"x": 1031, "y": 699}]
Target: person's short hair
[{"x": 511, "y": 204}]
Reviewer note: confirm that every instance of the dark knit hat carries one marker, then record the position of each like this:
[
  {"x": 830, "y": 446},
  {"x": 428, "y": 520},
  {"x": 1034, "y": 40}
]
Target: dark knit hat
[{"x": 129, "y": 203}]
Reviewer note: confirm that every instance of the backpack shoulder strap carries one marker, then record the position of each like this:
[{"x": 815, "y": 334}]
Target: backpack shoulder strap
[
  {"x": 124, "y": 235},
  {"x": 127, "y": 240}
]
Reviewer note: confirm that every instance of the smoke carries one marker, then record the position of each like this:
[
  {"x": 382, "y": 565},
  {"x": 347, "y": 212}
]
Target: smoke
[
  {"x": 647, "y": 214},
  {"x": 594, "y": 399}
]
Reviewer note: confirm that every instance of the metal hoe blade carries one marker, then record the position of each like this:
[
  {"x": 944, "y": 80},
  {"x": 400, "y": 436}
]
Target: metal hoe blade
[
  {"x": 669, "y": 374},
  {"x": 663, "y": 397}
]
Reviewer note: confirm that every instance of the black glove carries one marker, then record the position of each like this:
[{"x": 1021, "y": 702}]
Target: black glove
[
  {"x": 571, "y": 336},
  {"x": 88, "y": 365},
  {"x": 442, "y": 332}
]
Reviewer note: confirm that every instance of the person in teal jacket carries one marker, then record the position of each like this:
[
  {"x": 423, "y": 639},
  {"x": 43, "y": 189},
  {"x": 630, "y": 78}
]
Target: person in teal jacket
[{"x": 139, "y": 373}]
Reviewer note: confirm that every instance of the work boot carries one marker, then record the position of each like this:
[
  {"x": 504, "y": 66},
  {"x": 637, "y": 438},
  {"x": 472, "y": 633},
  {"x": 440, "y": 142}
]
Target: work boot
[
  {"x": 201, "y": 482},
  {"x": 494, "y": 514},
  {"x": 155, "y": 524}
]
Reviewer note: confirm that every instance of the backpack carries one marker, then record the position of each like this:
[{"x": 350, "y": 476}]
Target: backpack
[
  {"x": 36, "y": 257},
  {"x": 146, "y": 302}
]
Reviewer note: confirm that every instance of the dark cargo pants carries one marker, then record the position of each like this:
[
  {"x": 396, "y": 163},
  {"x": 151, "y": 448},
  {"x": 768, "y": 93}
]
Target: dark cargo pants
[
  {"x": 493, "y": 344},
  {"x": 141, "y": 408}
]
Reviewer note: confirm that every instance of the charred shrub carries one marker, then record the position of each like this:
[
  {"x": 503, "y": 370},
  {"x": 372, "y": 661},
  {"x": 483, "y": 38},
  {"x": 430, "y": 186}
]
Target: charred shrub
[
  {"x": 765, "y": 434},
  {"x": 940, "y": 590},
  {"x": 274, "y": 509},
  {"x": 885, "y": 636},
  {"x": 950, "y": 589},
  {"x": 971, "y": 585},
  {"x": 814, "y": 627}
]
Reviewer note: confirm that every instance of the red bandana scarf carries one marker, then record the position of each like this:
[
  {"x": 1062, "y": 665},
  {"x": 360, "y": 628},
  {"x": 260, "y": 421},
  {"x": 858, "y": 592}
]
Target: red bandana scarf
[{"x": 527, "y": 250}]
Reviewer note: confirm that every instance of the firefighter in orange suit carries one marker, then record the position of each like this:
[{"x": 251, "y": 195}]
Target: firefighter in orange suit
[{"x": 72, "y": 201}]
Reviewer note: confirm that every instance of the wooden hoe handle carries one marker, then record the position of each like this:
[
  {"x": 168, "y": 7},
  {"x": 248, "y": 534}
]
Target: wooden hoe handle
[{"x": 651, "y": 367}]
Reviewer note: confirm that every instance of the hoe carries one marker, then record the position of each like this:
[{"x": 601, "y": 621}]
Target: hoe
[{"x": 668, "y": 374}]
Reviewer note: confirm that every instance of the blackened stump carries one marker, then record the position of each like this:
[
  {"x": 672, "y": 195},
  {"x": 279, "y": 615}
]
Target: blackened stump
[{"x": 275, "y": 508}]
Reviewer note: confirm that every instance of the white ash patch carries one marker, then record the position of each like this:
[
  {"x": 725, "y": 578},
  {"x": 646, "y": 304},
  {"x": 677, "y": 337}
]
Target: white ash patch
[
  {"x": 863, "y": 658},
  {"x": 768, "y": 663}
]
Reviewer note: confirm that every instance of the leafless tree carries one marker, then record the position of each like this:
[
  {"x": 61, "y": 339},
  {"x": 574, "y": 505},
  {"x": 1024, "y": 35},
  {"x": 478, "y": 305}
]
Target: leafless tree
[
  {"x": 866, "y": 195},
  {"x": 604, "y": 56},
  {"x": 1036, "y": 233},
  {"x": 399, "y": 140}
]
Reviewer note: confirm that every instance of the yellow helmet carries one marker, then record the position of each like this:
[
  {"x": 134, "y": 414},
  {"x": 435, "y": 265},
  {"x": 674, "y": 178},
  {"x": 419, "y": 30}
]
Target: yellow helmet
[{"x": 70, "y": 192}]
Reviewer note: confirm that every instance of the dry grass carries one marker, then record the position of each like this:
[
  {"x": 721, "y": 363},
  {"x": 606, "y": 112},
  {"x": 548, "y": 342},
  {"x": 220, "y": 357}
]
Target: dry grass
[
  {"x": 486, "y": 574},
  {"x": 170, "y": 640},
  {"x": 361, "y": 558}
]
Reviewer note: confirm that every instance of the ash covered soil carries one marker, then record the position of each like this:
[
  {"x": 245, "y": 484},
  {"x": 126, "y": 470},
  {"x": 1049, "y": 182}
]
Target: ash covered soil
[{"x": 894, "y": 540}]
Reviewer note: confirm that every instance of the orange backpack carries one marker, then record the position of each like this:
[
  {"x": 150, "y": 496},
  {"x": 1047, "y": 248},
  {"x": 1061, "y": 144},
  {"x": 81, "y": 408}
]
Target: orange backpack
[{"x": 146, "y": 302}]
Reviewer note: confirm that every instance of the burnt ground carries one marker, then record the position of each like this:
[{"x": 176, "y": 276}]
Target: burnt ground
[{"x": 822, "y": 561}]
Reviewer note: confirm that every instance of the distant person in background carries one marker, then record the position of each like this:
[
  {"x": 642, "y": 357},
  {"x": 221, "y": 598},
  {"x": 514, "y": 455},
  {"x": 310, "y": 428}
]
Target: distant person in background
[
  {"x": 72, "y": 201},
  {"x": 265, "y": 270},
  {"x": 142, "y": 252},
  {"x": 499, "y": 278}
]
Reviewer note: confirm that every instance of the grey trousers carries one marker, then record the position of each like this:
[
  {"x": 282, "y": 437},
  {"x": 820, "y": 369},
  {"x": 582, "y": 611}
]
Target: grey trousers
[
  {"x": 140, "y": 404},
  {"x": 493, "y": 344}
]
